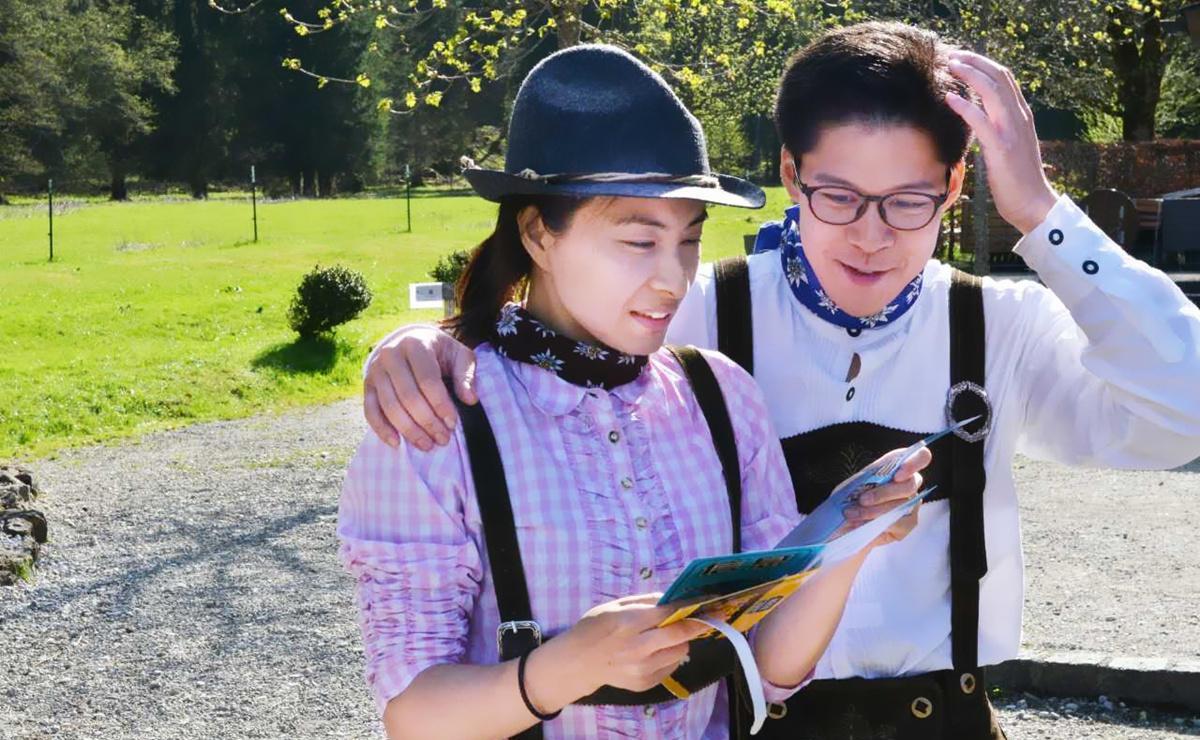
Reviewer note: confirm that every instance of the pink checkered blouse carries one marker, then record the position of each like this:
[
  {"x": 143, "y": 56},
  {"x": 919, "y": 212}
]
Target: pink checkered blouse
[{"x": 612, "y": 493}]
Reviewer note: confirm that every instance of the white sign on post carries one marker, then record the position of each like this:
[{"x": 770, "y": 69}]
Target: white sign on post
[{"x": 425, "y": 295}]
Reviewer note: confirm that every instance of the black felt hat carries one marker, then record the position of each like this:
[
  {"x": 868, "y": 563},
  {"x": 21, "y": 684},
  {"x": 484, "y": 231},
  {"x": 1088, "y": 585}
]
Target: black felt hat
[{"x": 593, "y": 120}]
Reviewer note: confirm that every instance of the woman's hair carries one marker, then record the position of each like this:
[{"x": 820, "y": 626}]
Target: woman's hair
[
  {"x": 873, "y": 73},
  {"x": 499, "y": 267}
]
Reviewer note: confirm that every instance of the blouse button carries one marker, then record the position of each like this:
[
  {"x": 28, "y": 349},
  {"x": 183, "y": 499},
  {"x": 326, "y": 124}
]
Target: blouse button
[
  {"x": 1056, "y": 237},
  {"x": 614, "y": 436},
  {"x": 626, "y": 483},
  {"x": 649, "y": 710},
  {"x": 645, "y": 573},
  {"x": 641, "y": 522},
  {"x": 850, "y": 394},
  {"x": 1090, "y": 267},
  {"x": 854, "y": 331}
]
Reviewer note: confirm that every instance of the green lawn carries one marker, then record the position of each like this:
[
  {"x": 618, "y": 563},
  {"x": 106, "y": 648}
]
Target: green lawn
[{"x": 159, "y": 313}]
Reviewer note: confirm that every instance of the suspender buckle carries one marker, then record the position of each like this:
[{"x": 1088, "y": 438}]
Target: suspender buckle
[
  {"x": 516, "y": 638},
  {"x": 985, "y": 426}
]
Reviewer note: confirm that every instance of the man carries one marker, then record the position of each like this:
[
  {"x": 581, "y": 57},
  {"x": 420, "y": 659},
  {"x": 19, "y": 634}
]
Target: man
[{"x": 862, "y": 343}]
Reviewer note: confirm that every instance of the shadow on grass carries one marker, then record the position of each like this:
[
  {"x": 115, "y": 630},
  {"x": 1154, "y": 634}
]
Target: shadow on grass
[
  {"x": 308, "y": 355},
  {"x": 397, "y": 191}
]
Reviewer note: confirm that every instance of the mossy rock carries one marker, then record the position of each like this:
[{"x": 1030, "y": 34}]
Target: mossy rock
[{"x": 22, "y": 529}]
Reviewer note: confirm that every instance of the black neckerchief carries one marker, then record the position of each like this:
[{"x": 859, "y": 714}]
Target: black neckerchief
[{"x": 521, "y": 337}]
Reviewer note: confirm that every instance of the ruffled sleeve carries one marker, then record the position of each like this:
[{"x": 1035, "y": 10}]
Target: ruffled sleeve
[{"x": 416, "y": 566}]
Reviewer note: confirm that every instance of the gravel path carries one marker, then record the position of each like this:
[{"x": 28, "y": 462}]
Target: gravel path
[{"x": 192, "y": 589}]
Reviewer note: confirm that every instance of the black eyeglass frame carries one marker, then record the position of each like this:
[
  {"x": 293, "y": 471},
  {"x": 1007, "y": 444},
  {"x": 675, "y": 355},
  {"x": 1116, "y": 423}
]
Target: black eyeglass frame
[{"x": 867, "y": 200}]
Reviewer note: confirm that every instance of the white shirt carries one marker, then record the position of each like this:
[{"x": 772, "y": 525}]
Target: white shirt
[{"x": 1098, "y": 367}]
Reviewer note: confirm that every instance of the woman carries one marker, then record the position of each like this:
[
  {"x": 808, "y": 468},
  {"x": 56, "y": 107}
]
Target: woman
[{"x": 613, "y": 478}]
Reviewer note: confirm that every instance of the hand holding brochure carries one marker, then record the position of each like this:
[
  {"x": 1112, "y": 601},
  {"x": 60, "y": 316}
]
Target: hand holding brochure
[{"x": 732, "y": 593}]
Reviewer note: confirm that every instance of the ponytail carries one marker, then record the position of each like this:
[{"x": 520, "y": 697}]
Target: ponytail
[{"x": 499, "y": 268}]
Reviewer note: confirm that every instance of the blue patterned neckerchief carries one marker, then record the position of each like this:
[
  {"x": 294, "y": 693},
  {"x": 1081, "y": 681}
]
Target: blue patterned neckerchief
[
  {"x": 519, "y": 336},
  {"x": 785, "y": 236}
]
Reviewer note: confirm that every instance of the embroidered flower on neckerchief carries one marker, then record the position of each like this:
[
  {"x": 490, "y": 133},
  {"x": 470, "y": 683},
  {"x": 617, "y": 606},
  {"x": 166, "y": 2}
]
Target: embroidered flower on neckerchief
[
  {"x": 795, "y": 271},
  {"x": 543, "y": 331},
  {"x": 914, "y": 290},
  {"x": 825, "y": 302},
  {"x": 625, "y": 359},
  {"x": 547, "y": 361},
  {"x": 879, "y": 318},
  {"x": 590, "y": 351},
  {"x": 506, "y": 325}
]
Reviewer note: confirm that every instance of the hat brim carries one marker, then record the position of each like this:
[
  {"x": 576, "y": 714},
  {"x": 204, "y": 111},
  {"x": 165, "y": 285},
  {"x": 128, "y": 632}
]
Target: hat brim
[{"x": 732, "y": 191}]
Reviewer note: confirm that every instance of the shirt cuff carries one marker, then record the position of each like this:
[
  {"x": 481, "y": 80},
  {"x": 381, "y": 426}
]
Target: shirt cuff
[
  {"x": 1076, "y": 260},
  {"x": 1069, "y": 252},
  {"x": 776, "y": 694}
]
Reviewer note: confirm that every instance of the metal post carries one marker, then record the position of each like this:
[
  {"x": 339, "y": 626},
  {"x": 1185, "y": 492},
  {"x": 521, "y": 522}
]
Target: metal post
[
  {"x": 50, "y": 194},
  {"x": 254, "y": 203},
  {"x": 408, "y": 194}
]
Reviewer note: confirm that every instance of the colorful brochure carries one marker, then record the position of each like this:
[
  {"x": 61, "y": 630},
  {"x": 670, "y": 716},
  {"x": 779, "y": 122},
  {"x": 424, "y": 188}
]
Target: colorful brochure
[{"x": 742, "y": 588}]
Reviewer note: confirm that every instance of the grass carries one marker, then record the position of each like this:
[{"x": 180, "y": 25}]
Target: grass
[{"x": 162, "y": 312}]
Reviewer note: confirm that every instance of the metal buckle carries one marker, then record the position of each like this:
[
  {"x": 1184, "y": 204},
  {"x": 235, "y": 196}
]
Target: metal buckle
[
  {"x": 978, "y": 390},
  {"x": 515, "y": 627},
  {"x": 967, "y": 682}
]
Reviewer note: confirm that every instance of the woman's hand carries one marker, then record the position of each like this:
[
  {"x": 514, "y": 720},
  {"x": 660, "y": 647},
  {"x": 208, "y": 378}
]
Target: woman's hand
[
  {"x": 617, "y": 644},
  {"x": 403, "y": 392}
]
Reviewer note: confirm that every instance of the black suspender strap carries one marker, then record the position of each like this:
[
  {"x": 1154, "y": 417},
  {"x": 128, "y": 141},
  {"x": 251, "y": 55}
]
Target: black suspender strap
[
  {"x": 518, "y": 633},
  {"x": 735, "y": 330},
  {"x": 716, "y": 414},
  {"x": 967, "y": 398}
]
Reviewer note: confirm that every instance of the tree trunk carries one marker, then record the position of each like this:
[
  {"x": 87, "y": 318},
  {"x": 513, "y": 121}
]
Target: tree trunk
[
  {"x": 118, "y": 188},
  {"x": 566, "y": 18},
  {"x": 295, "y": 180},
  {"x": 1139, "y": 73},
  {"x": 309, "y": 188},
  {"x": 198, "y": 185},
  {"x": 325, "y": 184}
]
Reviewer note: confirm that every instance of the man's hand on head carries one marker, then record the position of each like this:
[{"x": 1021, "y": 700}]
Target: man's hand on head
[{"x": 1004, "y": 127}]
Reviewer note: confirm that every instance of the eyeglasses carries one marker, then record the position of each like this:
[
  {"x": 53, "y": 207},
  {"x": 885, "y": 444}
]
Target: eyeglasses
[{"x": 902, "y": 210}]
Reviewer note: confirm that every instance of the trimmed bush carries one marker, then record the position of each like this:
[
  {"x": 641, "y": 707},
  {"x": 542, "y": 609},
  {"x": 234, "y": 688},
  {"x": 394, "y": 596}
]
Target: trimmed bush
[
  {"x": 449, "y": 267},
  {"x": 327, "y": 297}
]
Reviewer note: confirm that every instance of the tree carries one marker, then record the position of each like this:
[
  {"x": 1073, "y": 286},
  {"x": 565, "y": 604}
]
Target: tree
[
  {"x": 118, "y": 60},
  {"x": 312, "y": 135},
  {"x": 1103, "y": 55},
  {"x": 1179, "y": 107},
  {"x": 32, "y": 75},
  {"x": 195, "y": 117},
  {"x": 76, "y": 76},
  {"x": 480, "y": 42}
]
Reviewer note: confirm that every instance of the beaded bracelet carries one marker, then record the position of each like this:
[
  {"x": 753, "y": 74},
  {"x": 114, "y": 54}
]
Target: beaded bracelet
[{"x": 525, "y": 695}]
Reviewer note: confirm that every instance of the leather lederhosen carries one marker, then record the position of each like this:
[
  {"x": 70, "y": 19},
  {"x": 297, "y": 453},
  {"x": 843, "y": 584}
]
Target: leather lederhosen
[
  {"x": 944, "y": 704},
  {"x": 710, "y": 659}
]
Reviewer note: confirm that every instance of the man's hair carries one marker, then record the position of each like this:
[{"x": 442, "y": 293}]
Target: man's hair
[{"x": 875, "y": 74}]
